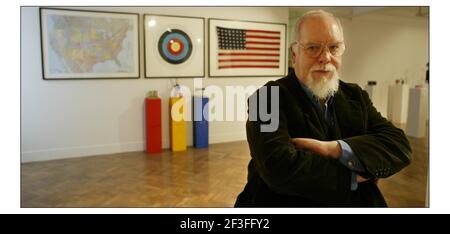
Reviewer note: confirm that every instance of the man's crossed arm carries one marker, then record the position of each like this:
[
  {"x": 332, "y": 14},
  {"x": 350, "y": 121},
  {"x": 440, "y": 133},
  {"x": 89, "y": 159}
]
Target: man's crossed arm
[{"x": 325, "y": 148}]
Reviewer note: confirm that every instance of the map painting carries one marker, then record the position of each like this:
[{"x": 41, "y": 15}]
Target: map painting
[{"x": 89, "y": 45}]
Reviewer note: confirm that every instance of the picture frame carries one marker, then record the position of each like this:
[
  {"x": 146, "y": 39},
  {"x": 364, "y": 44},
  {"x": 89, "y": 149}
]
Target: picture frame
[
  {"x": 79, "y": 44},
  {"x": 174, "y": 46},
  {"x": 246, "y": 48}
]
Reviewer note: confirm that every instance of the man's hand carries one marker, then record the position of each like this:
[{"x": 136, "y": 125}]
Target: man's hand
[
  {"x": 324, "y": 148},
  {"x": 360, "y": 179}
]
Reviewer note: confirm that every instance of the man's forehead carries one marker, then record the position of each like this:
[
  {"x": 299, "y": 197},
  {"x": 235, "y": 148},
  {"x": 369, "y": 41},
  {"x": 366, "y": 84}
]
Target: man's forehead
[{"x": 320, "y": 28}]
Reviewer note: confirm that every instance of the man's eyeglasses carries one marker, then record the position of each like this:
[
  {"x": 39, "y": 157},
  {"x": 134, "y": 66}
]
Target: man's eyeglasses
[{"x": 313, "y": 50}]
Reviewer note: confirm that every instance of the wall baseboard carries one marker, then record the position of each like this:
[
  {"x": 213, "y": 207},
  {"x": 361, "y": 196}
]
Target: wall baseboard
[
  {"x": 83, "y": 151},
  {"x": 227, "y": 137}
]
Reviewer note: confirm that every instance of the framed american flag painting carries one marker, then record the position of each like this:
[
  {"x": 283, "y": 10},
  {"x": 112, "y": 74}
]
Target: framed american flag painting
[{"x": 246, "y": 49}]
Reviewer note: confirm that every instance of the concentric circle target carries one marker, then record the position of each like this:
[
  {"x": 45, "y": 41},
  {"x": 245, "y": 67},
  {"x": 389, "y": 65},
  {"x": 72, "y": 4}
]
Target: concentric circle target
[{"x": 175, "y": 46}]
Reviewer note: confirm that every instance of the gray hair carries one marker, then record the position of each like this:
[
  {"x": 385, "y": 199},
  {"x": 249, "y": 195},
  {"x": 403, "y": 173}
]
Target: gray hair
[{"x": 300, "y": 20}]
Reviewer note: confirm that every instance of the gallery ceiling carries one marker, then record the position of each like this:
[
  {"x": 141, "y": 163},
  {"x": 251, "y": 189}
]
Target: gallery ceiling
[{"x": 351, "y": 12}]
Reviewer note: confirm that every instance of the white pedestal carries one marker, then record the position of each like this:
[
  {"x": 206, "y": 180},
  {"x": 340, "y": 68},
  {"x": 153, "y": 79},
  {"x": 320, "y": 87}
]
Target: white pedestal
[
  {"x": 428, "y": 102},
  {"x": 417, "y": 112},
  {"x": 398, "y": 103},
  {"x": 373, "y": 91}
]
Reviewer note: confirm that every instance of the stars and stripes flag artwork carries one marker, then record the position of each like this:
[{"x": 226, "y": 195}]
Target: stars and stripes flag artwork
[{"x": 248, "y": 48}]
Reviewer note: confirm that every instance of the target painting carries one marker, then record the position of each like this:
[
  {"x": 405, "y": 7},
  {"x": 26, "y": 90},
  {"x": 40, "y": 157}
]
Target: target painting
[{"x": 174, "y": 46}]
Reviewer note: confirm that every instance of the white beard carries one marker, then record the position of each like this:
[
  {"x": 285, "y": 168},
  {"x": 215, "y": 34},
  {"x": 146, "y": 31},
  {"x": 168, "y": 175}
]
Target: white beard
[{"x": 325, "y": 86}]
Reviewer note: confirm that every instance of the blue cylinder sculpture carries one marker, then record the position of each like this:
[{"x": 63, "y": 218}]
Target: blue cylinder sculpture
[{"x": 201, "y": 122}]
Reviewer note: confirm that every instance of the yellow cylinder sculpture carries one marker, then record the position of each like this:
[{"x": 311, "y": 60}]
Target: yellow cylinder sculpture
[{"x": 177, "y": 124}]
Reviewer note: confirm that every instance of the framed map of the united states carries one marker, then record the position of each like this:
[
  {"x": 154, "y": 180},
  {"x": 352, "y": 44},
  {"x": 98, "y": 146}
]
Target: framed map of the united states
[{"x": 89, "y": 44}]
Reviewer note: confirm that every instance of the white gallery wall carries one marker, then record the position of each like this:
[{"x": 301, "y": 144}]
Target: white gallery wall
[
  {"x": 385, "y": 48},
  {"x": 73, "y": 118}
]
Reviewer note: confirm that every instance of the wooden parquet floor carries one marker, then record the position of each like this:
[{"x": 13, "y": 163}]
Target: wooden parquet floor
[
  {"x": 210, "y": 177},
  {"x": 408, "y": 188}
]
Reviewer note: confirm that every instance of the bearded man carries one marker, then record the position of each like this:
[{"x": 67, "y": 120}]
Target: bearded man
[{"x": 331, "y": 145}]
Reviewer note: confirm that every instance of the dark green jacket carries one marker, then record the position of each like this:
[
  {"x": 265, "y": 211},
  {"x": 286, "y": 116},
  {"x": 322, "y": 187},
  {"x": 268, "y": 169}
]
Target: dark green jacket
[{"x": 281, "y": 176}]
